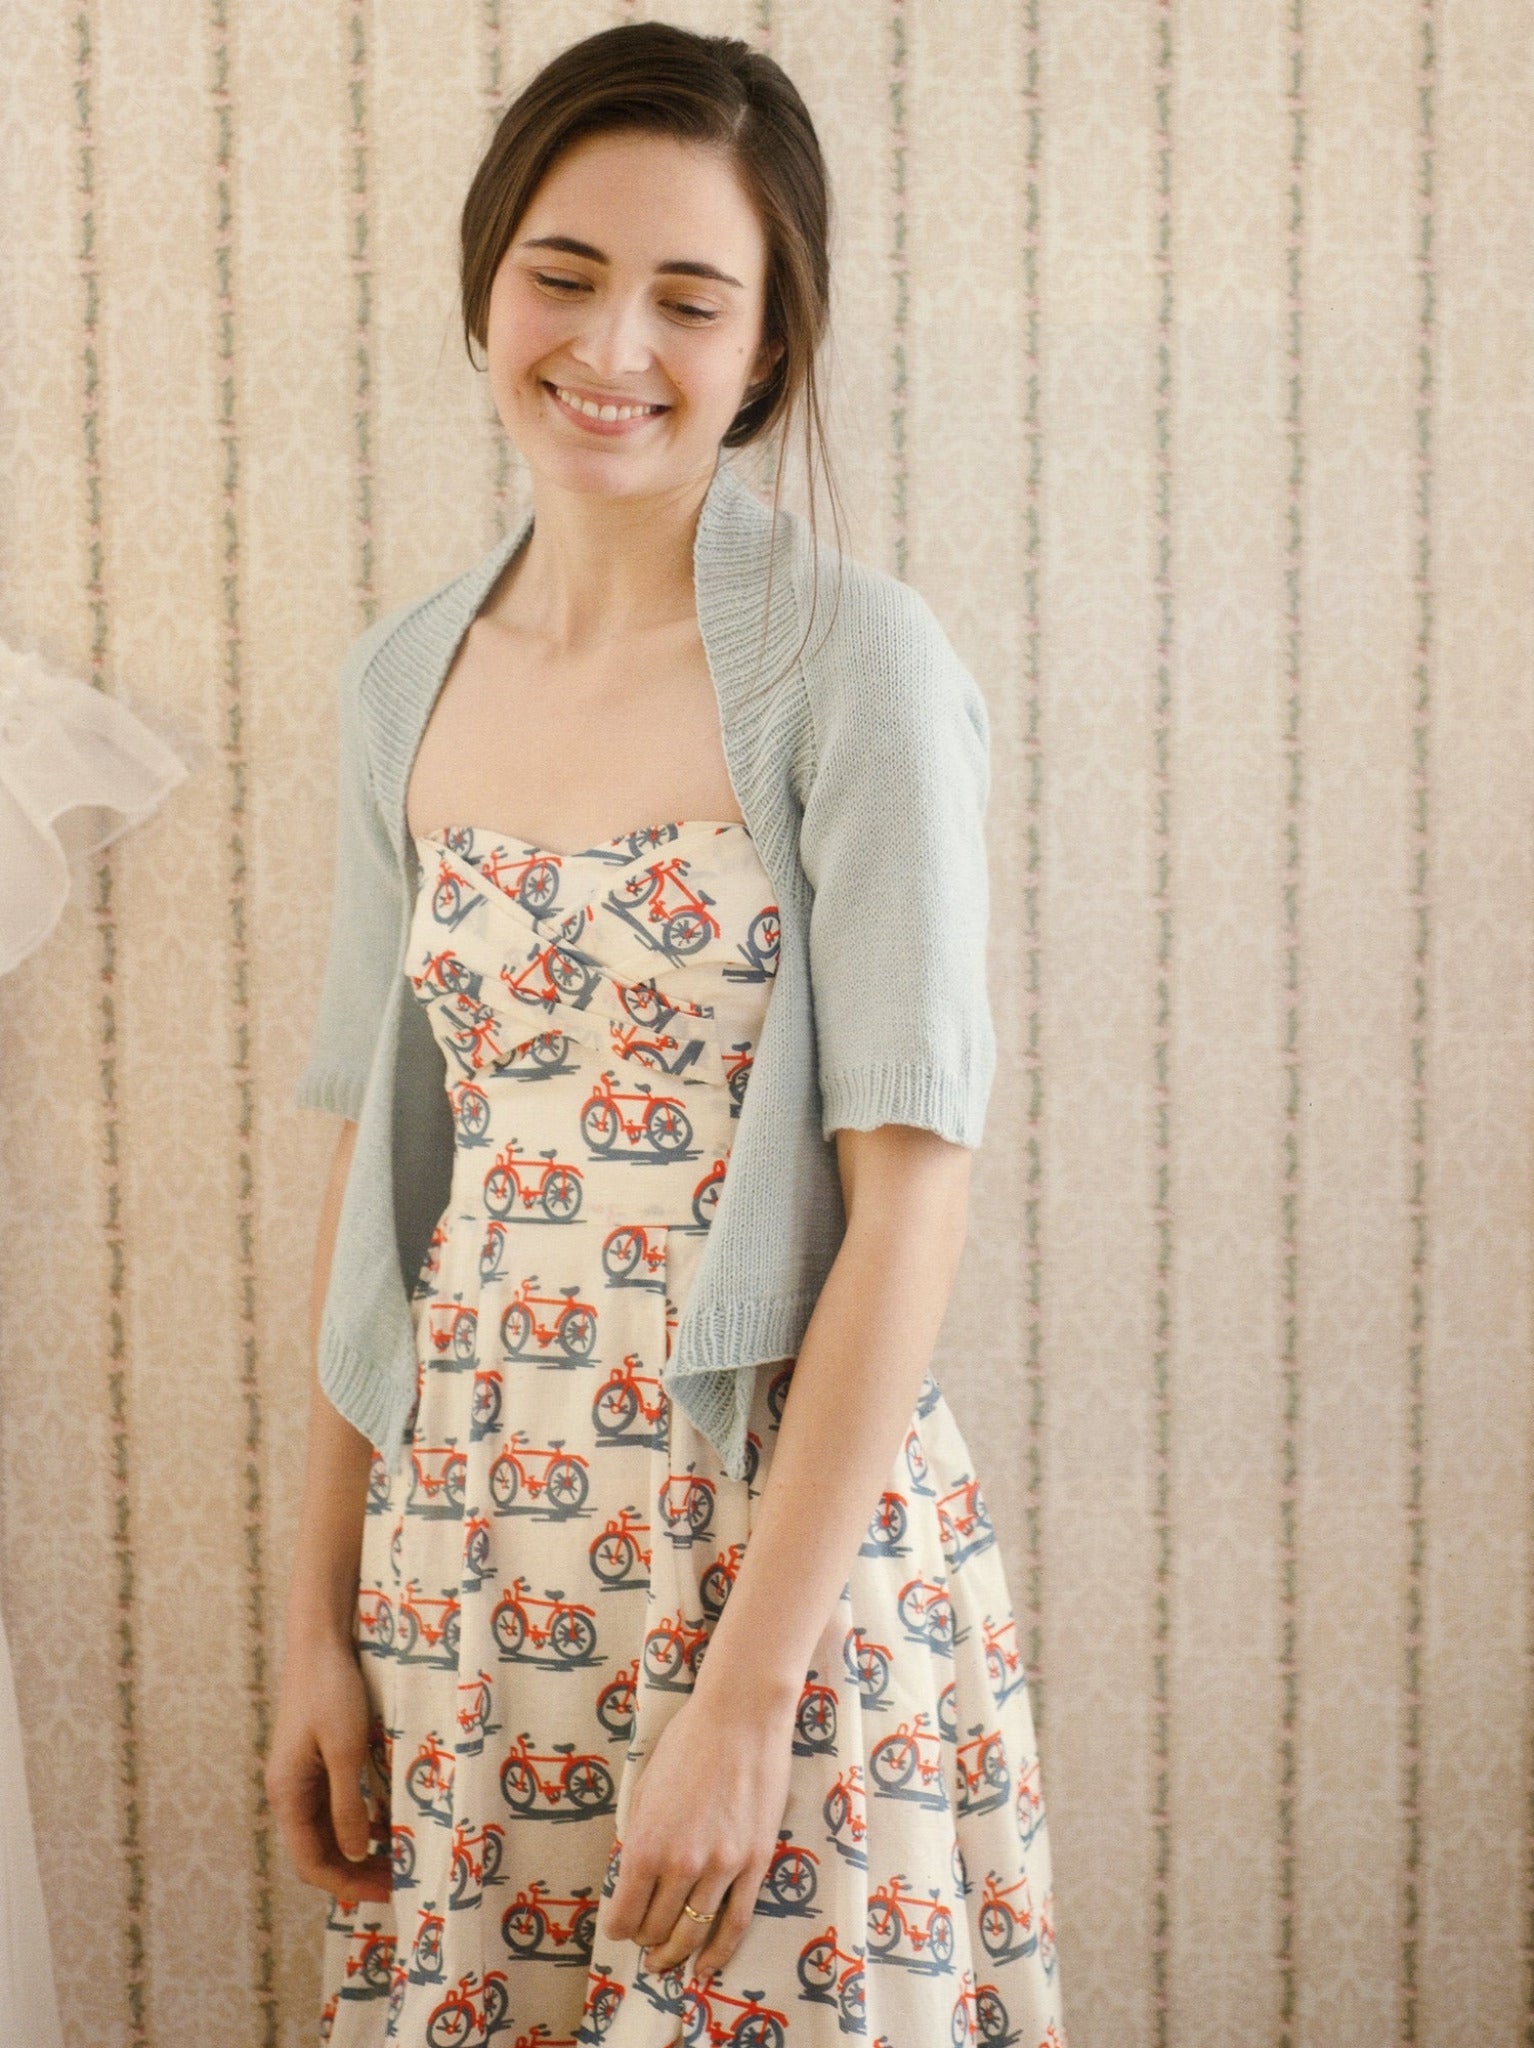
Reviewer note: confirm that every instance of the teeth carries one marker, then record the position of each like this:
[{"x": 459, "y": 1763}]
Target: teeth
[{"x": 606, "y": 412}]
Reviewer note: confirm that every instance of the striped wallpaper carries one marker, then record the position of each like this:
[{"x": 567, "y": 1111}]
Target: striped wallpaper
[{"x": 1183, "y": 360}]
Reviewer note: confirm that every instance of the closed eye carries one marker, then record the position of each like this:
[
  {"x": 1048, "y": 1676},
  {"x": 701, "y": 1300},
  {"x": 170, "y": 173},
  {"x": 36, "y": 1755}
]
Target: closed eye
[{"x": 561, "y": 284}]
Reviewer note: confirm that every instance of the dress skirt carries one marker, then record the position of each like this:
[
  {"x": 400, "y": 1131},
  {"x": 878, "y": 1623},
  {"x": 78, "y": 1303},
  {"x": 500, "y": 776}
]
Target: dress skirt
[{"x": 540, "y": 1579}]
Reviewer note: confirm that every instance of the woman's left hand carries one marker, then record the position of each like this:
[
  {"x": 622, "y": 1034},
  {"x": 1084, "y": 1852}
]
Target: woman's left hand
[{"x": 702, "y": 1826}]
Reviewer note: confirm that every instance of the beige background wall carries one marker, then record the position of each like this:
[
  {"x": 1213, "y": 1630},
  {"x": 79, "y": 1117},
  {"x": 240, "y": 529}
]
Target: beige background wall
[{"x": 1184, "y": 363}]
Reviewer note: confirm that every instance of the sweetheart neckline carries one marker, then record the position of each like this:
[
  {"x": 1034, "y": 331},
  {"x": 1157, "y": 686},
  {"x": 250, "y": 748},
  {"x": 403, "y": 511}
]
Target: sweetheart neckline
[{"x": 601, "y": 846}]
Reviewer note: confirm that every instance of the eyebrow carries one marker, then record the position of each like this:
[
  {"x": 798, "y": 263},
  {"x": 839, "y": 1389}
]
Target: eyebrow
[{"x": 676, "y": 267}]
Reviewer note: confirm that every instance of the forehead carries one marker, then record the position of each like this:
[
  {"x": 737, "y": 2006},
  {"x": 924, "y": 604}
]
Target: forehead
[{"x": 646, "y": 199}]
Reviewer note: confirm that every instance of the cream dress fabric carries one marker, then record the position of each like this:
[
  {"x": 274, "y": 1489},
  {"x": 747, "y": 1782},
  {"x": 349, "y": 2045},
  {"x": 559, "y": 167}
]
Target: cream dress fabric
[{"x": 540, "y": 1579}]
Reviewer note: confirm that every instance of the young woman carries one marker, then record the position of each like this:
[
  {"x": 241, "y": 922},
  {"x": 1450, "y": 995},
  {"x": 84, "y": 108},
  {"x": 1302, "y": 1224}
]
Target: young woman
[{"x": 655, "y": 1009}]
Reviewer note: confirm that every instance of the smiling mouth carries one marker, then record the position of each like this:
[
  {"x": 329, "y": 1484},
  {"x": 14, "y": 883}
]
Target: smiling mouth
[{"x": 610, "y": 412}]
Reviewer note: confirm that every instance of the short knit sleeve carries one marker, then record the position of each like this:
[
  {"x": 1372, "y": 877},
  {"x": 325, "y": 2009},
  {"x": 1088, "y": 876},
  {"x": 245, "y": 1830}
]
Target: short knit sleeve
[
  {"x": 366, "y": 907},
  {"x": 893, "y": 846}
]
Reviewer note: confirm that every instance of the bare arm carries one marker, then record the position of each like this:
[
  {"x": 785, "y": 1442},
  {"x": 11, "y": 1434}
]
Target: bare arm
[
  {"x": 320, "y": 1736},
  {"x": 707, "y": 1837}
]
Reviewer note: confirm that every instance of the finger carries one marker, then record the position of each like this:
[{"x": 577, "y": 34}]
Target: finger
[
  {"x": 302, "y": 1808},
  {"x": 670, "y": 1935},
  {"x": 631, "y": 1894},
  {"x": 348, "y": 1807},
  {"x": 725, "y": 1936}
]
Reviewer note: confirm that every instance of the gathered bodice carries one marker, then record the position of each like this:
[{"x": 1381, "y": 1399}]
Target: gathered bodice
[{"x": 657, "y": 948}]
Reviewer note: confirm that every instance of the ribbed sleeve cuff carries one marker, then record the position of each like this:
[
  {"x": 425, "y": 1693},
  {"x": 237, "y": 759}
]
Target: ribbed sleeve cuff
[
  {"x": 904, "y": 1092},
  {"x": 330, "y": 1084}
]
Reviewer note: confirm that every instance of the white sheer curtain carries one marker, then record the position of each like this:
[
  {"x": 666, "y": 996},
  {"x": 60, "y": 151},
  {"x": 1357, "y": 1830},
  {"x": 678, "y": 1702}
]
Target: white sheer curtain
[{"x": 76, "y": 769}]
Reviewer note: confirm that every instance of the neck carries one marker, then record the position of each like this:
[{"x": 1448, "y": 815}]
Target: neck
[{"x": 599, "y": 570}]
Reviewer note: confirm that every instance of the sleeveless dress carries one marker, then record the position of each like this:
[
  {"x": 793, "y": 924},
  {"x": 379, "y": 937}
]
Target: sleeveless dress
[{"x": 539, "y": 1581}]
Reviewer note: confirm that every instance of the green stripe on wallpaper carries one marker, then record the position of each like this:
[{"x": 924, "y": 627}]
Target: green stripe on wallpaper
[
  {"x": 242, "y": 1100},
  {"x": 1292, "y": 1053},
  {"x": 358, "y": 157},
  {"x": 1027, "y": 492},
  {"x": 1418, "y": 1078},
  {"x": 126, "y": 1949},
  {"x": 900, "y": 280},
  {"x": 1159, "y": 888}
]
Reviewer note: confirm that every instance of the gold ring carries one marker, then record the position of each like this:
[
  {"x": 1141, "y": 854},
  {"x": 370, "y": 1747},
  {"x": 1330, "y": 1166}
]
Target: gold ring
[{"x": 699, "y": 1916}]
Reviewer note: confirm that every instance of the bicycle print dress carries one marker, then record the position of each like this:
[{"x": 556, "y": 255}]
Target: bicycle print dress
[{"x": 540, "y": 1579}]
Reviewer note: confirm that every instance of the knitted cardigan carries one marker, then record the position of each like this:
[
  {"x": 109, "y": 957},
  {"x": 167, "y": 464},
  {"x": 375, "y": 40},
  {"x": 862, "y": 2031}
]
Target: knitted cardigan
[{"x": 862, "y": 771}]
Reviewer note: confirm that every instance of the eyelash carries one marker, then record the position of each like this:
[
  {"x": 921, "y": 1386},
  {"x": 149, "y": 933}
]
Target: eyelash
[{"x": 569, "y": 284}]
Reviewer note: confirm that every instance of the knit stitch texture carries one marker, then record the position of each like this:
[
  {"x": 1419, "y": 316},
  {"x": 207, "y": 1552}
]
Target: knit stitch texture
[{"x": 862, "y": 770}]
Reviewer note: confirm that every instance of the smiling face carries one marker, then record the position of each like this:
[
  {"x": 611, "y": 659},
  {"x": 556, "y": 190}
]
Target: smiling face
[{"x": 636, "y": 277}]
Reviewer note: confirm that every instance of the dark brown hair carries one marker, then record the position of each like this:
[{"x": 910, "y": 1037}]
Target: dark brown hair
[{"x": 713, "y": 91}]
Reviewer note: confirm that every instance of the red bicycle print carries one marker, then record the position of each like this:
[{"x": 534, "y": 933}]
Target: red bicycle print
[
  {"x": 789, "y": 1881},
  {"x": 672, "y": 1646},
  {"x": 662, "y": 1053},
  {"x": 469, "y": 1106},
  {"x": 630, "y": 1249},
  {"x": 519, "y": 1486},
  {"x": 886, "y": 1527},
  {"x": 426, "y": 1629},
  {"x": 832, "y": 1975},
  {"x": 948, "y": 1712},
  {"x": 604, "y": 1995},
  {"x": 476, "y": 1863},
  {"x": 452, "y": 1328},
  {"x": 677, "y": 919},
  {"x": 369, "y": 1963},
  {"x": 550, "y": 1632},
  {"x": 1006, "y": 1918},
  {"x": 426, "y": 1948},
  {"x": 378, "y": 1484},
  {"x": 908, "y": 1763},
  {"x": 429, "y": 1780},
  {"x": 815, "y": 1718},
  {"x": 714, "y": 1586},
  {"x": 431, "y": 1262},
  {"x": 712, "y": 2015},
  {"x": 737, "y": 1073},
  {"x": 906, "y": 1929},
  {"x": 1003, "y": 1662},
  {"x": 470, "y": 2013},
  {"x": 845, "y": 1813},
  {"x": 554, "y": 1187},
  {"x": 559, "y": 1322},
  {"x": 984, "y": 1779},
  {"x": 980, "y": 2015},
  {"x": 556, "y": 972},
  {"x": 868, "y": 1665},
  {"x": 615, "y": 1702},
  {"x": 705, "y": 1196},
  {"x": 375, "y": 1621},
  {"x": 536, "y": 1926},
  {"x": 477, "y": 1563},
  {"x": 916, "y": 1461},
  {"x": 571, "y": 1785},
  {"x": 402, "y": 1856},
  {"x": 437, "y": 1476},
  {"x": 489, "y": 1394},
  {"x": 759, "y": 948},
  {"x": 475, "y": 1698},
  {"x": 686, "y": 1506},
  {"x": 964, "y": 1523},
  {"x": 618, "y": 1557},
  {"x": 927, "y": 1613},
  {"x": 1030, "y": 1802},
  {"x": 629, "y": 1397},
  {"x": 777, "y": 1389},
  {"x": 646, "y": 1125}
]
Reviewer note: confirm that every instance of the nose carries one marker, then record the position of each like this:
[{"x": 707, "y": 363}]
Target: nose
[{"x": 613, "y": 342}]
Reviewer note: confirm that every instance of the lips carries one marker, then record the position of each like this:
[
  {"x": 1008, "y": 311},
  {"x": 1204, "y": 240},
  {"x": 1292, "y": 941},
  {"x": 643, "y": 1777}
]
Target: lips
[{"x": 592, "y": 422}]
